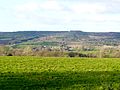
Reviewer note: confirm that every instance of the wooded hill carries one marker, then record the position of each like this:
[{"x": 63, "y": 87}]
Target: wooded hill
[{"x": 92, "y": 38}]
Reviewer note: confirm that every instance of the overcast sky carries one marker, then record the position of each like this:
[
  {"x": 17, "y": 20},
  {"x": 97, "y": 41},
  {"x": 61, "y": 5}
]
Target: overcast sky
[{"x": 53, "y": 15}]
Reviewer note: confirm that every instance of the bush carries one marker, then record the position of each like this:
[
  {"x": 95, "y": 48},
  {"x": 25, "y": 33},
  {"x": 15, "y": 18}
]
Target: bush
[
  {"x": 9, "y": 54},
  {"x": 82, "y": 55},
  {"x": 72, "y": 54}
]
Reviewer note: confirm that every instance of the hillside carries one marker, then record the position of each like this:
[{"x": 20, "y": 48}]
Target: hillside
[
  {"x": 22, "y": 36},
  {"x": 37, "y": 37}
]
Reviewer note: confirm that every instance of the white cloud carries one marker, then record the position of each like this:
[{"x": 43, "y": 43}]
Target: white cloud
[
  {"x": 20, "y": 16},
  {"x": 104, "y": 18},
  {"x": 51, "y": 5},
  {"x": 54, "y": 15},
  {"x": 31, "y": 6},
  {"x": 116, "y": 0},
  {"x": 88, "y": 8}
]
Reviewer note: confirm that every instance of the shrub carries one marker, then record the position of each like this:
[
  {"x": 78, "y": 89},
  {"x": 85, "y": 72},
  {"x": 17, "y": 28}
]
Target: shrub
[
  {"x": 72, "y": 54},
  {"x": 82, "y": 55}
]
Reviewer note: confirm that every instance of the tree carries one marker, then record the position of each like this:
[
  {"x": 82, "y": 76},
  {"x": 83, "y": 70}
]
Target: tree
[{"x": 72, "y": 54}]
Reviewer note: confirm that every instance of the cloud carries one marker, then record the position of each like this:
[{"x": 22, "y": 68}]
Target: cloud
[
  {"x": 116, "y": 0},
  {"x": 113, "y": 8},
  {"x": 54, "y": 14},
  {"x": 31, "y": 6},
  {"x": 51, "y": 5},
  {"x": 88, "y": 8},
  {"x": 20, "y": 16},
  {"x": 46, "y": 12}
]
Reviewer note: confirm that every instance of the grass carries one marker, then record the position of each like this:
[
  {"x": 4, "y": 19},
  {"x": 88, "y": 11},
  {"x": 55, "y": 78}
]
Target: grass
[{"x": 36, "y": 73}]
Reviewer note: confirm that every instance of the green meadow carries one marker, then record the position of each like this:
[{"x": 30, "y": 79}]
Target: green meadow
[{"x": 38, "y": 73}]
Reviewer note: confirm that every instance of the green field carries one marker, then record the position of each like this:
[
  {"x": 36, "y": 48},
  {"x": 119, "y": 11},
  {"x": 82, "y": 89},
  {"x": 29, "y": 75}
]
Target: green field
[{"x": 36, "y": 73}]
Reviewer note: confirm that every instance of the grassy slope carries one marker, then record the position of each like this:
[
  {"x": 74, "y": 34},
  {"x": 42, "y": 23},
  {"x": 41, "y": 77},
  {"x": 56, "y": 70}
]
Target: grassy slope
[{"x": 32, "y": 73}]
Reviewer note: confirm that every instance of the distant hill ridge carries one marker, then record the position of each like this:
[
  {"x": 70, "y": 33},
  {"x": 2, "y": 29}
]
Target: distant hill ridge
[{"x": 8, "y": 38}]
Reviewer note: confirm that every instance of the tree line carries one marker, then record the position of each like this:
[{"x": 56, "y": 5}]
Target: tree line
[{"x": 103, "y": 52}]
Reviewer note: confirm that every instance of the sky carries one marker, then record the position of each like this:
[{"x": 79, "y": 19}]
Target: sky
[{"x": 60, "y": 15}]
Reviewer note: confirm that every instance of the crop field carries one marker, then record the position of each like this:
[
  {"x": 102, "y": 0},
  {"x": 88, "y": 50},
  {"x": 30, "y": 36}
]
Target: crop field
[{"x": 38, "y": 73}]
